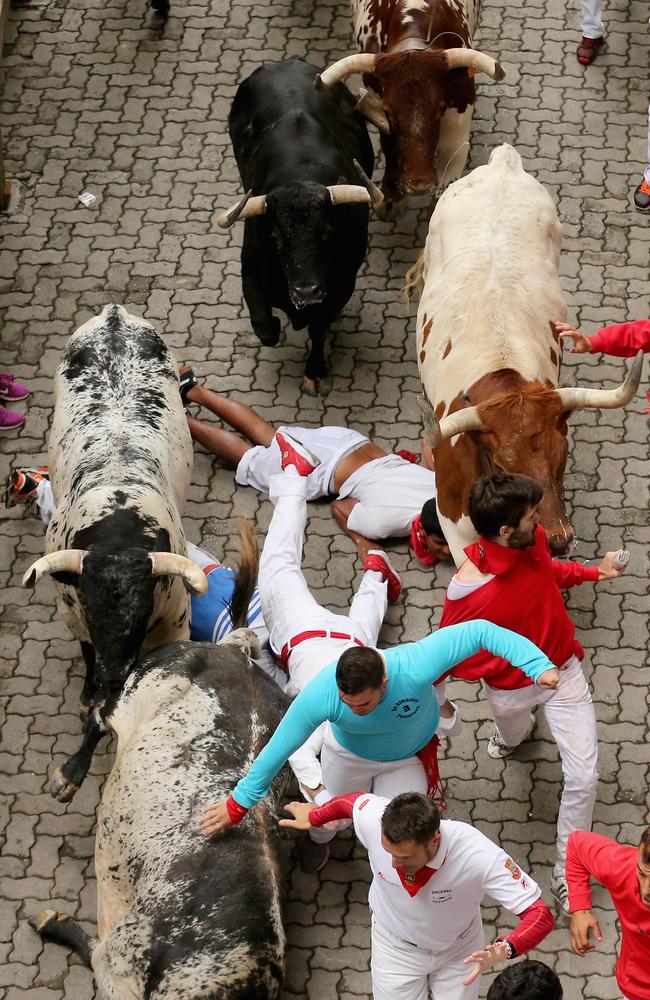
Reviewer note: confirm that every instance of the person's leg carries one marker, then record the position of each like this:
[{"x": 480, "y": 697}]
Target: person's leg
[
  {"x": 446, "y": 981},
  {"x": 239, "y": 415},
  {"x": 511, "y": 712},
  {"x": 400, "y": 776},
  {"x": 572, "y": 721},
  {"x": 399, "y": 970},
  {"x": 286, "y": 598},
  {"x": 591, "y": 18},
  {"x": 368, "y": 607},
  {"x": 641, "y": 195},
  {"x": 221, "y": 443}
]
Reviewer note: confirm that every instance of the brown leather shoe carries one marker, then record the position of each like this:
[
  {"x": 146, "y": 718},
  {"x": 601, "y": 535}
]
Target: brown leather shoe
[
  {"x": 589, "y": 49},
  {"x": 312, "y": 856}
]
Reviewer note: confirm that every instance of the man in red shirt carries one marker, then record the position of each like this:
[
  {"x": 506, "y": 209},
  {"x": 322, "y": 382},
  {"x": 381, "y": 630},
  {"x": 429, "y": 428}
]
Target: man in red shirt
[
  {"x": 510, "y": 579},
  {"x": 625, "y": 873}
]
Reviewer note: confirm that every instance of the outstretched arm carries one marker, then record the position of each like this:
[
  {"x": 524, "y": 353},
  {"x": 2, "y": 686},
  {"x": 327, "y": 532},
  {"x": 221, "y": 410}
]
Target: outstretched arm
[
  {"x": 621, "y": 340},
  {"x": 439, "y": 652}
]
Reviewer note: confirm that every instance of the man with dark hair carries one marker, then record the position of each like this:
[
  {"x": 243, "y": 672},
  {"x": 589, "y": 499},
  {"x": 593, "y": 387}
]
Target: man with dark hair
[
  {"x": 625, "y": 873},
  {"x": 429, "y": 879},
  {"x": 510, "y": 579},
  {"x": 382, "y": 713},
  {"x": 527, "y": 980}
]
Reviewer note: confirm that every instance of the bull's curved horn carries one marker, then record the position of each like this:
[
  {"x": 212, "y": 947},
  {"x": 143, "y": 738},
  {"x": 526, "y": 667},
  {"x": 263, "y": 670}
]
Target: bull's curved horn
[
  {"x": 68, "y": 560},
  {"x": 473, "y": 59},
  {"x": 376, "y": 197},
  {"x": 245, "y": 208},
  {"x": 607, "y": 399},
  {"x": 459, "y": 422},
  {"x": 348, "y": 194},
  {"x": 169, "y": 564},
  {"x": 430, "y": 422},
  {"x": 362, "y": 62}
]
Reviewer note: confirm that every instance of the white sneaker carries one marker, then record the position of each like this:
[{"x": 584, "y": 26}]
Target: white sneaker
[
  {"x": 497, "y": 749},
  {"x": 560, "y": 890}
]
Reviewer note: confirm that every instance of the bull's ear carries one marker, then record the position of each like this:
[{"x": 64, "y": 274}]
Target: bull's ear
[
  {"x": 163, "y": 541},
  {"x": 66, "y": 577}
]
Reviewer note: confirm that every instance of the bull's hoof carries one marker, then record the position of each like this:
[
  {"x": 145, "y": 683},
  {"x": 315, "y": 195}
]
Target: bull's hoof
[
  {"x": 316, "y": 386},
  {"x": 45, "y": 919},
  {"x": 61, "y": 788},
  {"x": 161, "y": 7}
]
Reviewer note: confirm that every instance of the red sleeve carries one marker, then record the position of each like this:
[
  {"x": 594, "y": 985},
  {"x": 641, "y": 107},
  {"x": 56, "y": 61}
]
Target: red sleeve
[
  {"x": 235, "y": 811},
  {"x": 587, "y": 854},
  {"x": 340, "y": 807},
  {"x": 568, "y": 574},
  {"x": 534, "y": 924},
  {"x": 623, "y": 340}
]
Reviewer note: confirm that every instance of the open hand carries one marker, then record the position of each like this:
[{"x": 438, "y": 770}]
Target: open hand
[
  {"x": 214, "y": 819},
  {"x": 582, "y": 922},
  {"x": 549, "y": 680},
  {"x": 300, "y": 812},
  {"x": 581, "y": 344},
  {"x": 485, "y": 959}
]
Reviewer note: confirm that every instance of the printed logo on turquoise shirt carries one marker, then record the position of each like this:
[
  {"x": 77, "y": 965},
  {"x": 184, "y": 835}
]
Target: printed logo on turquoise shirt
[{"x": 406, "y": 708}]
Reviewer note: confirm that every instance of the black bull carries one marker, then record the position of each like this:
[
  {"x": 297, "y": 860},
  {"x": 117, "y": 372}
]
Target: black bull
[
  {"x": 181, "y": 916},
  {"x": 302, "y": 255}
]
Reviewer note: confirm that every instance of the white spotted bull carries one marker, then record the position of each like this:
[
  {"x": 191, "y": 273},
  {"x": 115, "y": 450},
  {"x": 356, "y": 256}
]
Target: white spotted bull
[
  {"x": 487, "y": 347},
  {"x": 181, "y": 917},
  {"x": 120, "y": 457}
]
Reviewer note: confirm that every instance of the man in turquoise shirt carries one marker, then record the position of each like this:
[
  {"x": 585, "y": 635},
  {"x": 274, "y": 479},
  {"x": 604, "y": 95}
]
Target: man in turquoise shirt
[{"x": 382, "y": 712}]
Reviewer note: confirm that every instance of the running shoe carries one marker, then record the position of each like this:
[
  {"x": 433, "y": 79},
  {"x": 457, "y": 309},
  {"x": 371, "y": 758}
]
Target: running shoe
[
  {"x": 294, "y": 453},
  {"x": 22, "y": 485}
]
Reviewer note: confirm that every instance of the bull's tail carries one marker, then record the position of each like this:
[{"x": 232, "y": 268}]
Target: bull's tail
[
  {"x": 414, "y": 280},
  {"x": 246, "y": 578}
]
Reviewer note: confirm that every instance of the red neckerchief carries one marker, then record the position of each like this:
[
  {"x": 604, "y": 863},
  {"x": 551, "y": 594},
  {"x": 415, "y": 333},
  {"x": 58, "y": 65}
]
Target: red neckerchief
[
  {"x": 408, "y": 456},
  {"x": 490, "y": 557},
  {"x": 413, "y": 883},
  {"x": 418, "y": 542}
]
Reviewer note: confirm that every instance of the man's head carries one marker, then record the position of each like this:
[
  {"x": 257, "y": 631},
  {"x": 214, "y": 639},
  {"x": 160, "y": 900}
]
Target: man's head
[
  {"x": 503, "y": 508},
  {"x": 526, "y": 981},
  {"x": 643, "y": 866},
  {"x": 361, "y": 679},
  {"x": 410, "y": 831},
  {"x": 435, "y": 539}
]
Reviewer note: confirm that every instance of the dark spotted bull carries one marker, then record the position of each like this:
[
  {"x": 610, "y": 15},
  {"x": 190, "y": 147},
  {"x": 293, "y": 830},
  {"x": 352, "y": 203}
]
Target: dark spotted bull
[
  {"x": 418, "y": 64},
  {"x": 306, "y": 224},
  {"x": 120, "y": 458},
  {"x": 181, "y": 917}
]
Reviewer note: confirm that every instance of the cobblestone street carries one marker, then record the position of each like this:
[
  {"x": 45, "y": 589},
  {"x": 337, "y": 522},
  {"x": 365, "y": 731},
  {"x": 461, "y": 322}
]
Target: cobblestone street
[{"x": 100, "y": 97}]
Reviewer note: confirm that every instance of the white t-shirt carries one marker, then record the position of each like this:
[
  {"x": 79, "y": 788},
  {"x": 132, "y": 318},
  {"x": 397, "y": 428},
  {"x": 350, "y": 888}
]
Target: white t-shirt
[
  {"x": 466, "y": 868},
  {"x": 390, "y": 492}
]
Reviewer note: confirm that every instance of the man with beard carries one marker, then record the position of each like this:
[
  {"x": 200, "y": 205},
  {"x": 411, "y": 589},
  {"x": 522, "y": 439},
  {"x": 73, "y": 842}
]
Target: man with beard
[
  {"x": 625, "y": 873},
  {"x": 510, "y": 579}
]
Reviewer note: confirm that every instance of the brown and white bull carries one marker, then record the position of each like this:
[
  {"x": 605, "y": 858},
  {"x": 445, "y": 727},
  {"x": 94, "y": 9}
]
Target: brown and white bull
[
  {"x": 120, "y": 458},
  {"x": 418, "y": 63},
  {"x": 487, "y": 349}
]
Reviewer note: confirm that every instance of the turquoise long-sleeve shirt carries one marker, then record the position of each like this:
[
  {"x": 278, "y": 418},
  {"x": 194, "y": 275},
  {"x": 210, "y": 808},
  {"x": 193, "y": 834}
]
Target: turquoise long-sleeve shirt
[{"x": 406, "y": 717}]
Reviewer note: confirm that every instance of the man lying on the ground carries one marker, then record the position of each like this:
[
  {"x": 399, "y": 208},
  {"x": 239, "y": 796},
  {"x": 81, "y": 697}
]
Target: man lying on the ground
[{"x": 379, "y": 495}]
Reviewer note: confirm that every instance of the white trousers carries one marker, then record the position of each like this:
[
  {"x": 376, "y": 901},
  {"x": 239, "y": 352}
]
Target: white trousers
[
  {"x": 402, "y": 971},
  {"x": 571, "y": 718},
  {"x": 329, "y": 444},
  {"x": 344, "y": 772},
  {"x": 289, "y": 608},
  {"x": 45, "y": 501},
  {"x": 591, "y": 20}
]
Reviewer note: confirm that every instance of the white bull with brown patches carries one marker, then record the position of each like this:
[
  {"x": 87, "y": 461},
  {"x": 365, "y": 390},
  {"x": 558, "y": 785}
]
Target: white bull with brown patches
[
  {"x": 181, "y": 917},
  {"x": 487, "y": 348},
  {"x": 418, "y": 64}
]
